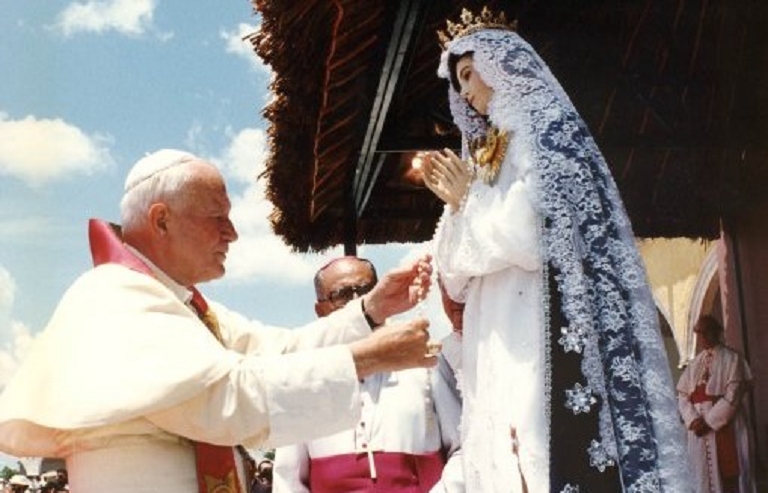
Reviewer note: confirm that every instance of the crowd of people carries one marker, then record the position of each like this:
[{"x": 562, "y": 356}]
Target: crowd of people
[
  {"x": 262, "y": 477},
  {"x": 554, "y": 380},
  {"x": 53, "y": 481}
]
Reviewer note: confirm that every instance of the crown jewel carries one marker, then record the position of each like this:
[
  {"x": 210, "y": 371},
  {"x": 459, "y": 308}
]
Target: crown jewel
[{"x": 470, "y": 23}]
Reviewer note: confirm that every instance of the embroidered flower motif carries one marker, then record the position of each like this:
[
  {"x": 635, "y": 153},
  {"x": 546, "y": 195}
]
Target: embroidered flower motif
[
  {"x": 569, "y": 488},
  {"x": 573, "y": 339},
  {"x": 598, "y": 457},
  {"x": 579, "y": 399}
]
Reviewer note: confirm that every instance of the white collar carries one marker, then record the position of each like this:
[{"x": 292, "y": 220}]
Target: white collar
[{"x": 181, "y": 292}]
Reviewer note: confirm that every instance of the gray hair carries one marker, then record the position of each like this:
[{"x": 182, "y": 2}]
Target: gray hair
[{"x": 155, "y": 177}]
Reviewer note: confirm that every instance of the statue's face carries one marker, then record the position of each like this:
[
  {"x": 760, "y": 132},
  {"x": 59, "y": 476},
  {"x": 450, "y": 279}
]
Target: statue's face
[{"x": 472, "y": 87}]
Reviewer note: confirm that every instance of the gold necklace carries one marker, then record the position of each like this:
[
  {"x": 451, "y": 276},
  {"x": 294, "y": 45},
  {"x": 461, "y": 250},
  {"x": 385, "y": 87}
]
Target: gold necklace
[{"x": 488, "y": 153}]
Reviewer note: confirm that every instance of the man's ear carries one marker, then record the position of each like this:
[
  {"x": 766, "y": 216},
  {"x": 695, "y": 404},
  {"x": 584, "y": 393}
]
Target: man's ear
[
  {"x": 158, "y": 218},
  {"x": 322, "y": 309}
]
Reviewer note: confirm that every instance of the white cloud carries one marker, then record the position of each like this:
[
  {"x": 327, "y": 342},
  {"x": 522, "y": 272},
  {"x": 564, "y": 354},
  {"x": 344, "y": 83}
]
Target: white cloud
[
  {"x": 246, "y": 156},
  {"x": 27, "y": 227},
  {"x": 258, "y": 253},
  {"x": 14, "y": 352},
  {"x": 19, "y": 336},
  {"x": 133, "y": 17},
  {"x": 7, "y": 289},
  {"x": 40, "y": 150},
  {"x": 194, "y": 136},
  {"x": 239, "y": 46}
]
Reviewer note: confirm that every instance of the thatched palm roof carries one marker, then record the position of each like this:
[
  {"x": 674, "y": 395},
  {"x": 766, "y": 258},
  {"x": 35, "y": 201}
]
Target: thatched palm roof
[{"x": 672, "y": 90}]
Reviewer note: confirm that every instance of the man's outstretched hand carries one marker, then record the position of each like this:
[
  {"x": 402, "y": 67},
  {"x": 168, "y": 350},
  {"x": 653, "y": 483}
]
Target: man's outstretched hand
[
  {"x": 399, "y": 290},
  {"x": 394, "y": 347}
]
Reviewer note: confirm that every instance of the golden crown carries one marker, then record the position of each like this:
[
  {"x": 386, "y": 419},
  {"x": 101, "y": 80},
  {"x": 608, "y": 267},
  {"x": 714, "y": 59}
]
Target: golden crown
[{"x": 470, "y": 23}]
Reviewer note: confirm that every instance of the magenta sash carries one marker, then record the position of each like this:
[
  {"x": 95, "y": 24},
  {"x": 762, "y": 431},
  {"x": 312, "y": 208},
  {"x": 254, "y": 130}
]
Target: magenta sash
[{"x": 349, "y": 473}]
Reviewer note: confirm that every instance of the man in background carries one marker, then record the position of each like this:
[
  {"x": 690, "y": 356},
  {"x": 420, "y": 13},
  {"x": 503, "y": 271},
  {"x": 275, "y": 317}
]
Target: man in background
[
  {"x": 711, "y": 401},
  {"x": 408, "y": 428}
]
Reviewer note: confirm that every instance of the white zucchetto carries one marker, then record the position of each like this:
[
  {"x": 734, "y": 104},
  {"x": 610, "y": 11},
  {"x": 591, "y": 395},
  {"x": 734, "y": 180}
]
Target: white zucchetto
[{"x": 154, "y": 163}]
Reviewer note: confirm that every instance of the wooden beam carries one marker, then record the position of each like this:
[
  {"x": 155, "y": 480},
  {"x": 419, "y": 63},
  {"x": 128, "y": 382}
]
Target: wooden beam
[
  {"x": 403, "y": 145},
  {"x": 365, "y": 174}
]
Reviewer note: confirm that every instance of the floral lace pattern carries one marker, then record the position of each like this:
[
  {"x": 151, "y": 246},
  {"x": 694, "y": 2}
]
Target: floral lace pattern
[
  {"x": 579, "y": 399},
  {"x": 598, "y": 456},
  {"x": 612, "y": 320},
  {"x": 573, "y": 339}
]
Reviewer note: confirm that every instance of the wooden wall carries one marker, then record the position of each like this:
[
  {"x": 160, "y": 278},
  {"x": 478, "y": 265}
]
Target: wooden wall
[{"x": 744, "y": 290}]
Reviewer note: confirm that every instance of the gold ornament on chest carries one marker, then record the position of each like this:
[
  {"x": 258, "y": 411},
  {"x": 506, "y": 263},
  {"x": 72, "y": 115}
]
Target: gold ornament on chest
[{"x": 488, "y": 153}]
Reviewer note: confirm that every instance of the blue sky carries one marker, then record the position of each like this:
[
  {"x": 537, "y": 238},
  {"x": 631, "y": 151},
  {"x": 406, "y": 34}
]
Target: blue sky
[{"x": 87, "y": 88}]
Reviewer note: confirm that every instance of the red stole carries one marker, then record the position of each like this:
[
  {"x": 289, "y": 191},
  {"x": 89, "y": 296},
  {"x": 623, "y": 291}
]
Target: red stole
[{"x": 216, "y": 469}]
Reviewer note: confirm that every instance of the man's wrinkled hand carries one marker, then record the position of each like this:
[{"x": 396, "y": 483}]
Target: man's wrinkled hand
[
  {"x": 399, "y": 290},
  {"x": 394, "y": 347},
  {"x": 699, "y": 427}
]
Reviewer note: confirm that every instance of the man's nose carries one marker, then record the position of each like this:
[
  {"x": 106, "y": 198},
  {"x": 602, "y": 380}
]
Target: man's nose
[{"x": 229, "y": 233}]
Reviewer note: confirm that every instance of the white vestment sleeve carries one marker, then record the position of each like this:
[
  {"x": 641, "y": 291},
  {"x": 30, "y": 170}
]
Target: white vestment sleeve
[
  {"x": 250, "y": 336},
  {"x": 282, "y": 391},
  {"x": 499, "y": 223},
  {"x": 720, "y": 414},
  {"x": 272, "y": 401},
  {"x": 684, "y": 388},
  {"x": 496, "y": 228},
  {"x": 727, "y": 376},
  {"x": 291, "y": 469}
]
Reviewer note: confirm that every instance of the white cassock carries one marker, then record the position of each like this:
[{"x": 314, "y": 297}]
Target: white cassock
[
  {"x": 407, "y": 416},
  {"x": 126, "y": 375},
  {"x": 729, "y": 378}
]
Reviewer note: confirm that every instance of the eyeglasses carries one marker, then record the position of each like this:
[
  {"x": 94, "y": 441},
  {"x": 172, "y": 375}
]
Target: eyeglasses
[{"x": 342, "y": 296}]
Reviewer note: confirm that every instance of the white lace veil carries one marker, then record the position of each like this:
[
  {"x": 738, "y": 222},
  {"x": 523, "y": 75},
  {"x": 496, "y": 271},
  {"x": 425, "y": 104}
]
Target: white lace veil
[{"x": 587, "y": 238}]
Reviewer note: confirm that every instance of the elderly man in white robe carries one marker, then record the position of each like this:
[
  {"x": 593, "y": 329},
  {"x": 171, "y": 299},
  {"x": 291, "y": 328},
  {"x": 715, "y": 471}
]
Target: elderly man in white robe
[
  {"x": 149, "y": 387},
  {"x": 711, "y": 401}
]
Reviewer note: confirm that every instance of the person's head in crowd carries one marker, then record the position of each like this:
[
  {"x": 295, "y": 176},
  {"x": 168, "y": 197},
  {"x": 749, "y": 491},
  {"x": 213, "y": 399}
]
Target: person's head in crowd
[
  {"x": 19, "y": 483},
  {"x": 264, "y": 471},
  {"x": 175, "y": 211},
  {"x": 709, "y": 331},
  {"x": 62, "y": 477},
  {"x": 342, "y": 280}
]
